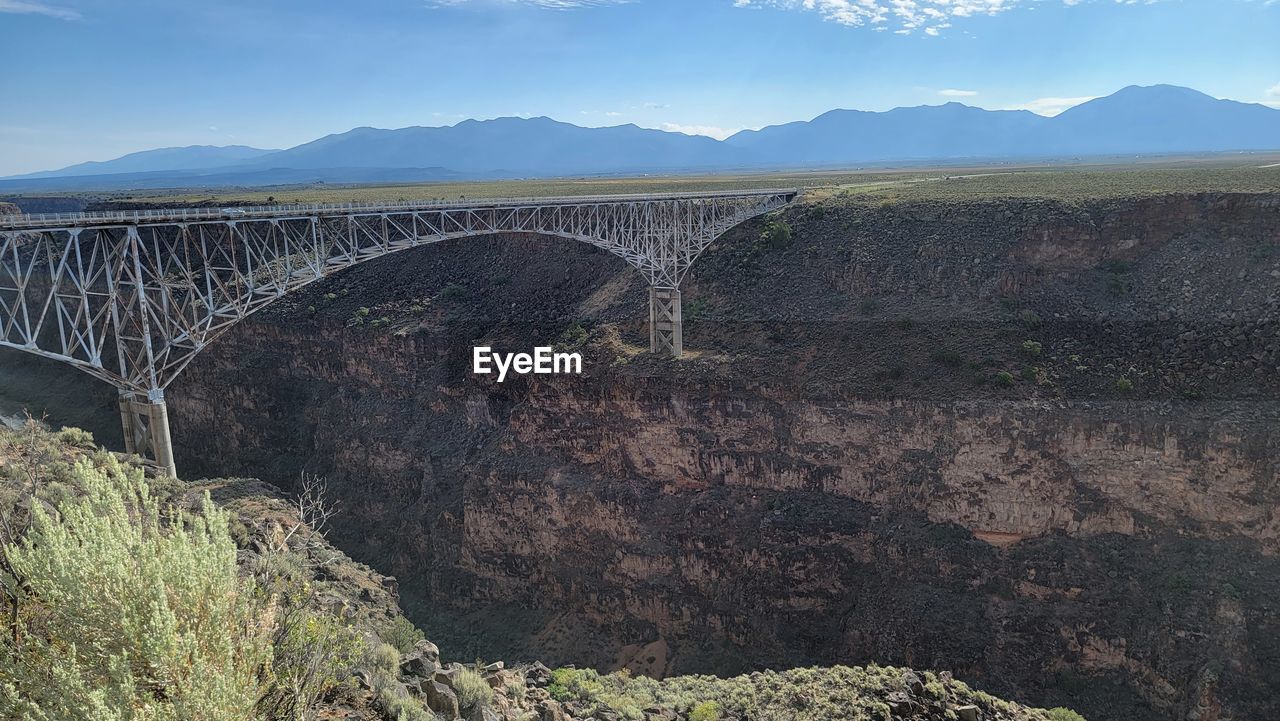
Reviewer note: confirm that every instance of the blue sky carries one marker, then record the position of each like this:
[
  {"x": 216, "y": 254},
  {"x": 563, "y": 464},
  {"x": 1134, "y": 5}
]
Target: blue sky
[{"x": 94, "y": 79}]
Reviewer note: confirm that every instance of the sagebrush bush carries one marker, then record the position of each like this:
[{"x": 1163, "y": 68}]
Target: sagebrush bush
[
  {"x": 311, "y": 653},
  {"x": 76, "y": 437},
  {"x": 705, "y": 711},
  {"x": 129, "y": 612},
  {"x": 473, "y": 691},
  {"x": 385, "y": 657}
]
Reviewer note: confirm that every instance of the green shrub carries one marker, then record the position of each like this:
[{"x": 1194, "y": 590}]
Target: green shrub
[
  {"x": 76, "y": 437},
  {"x": 473, "y": 691},
  {"x": 1124, "y": 385},
  {"x": 1063, "y": 714},
  {"x": 1003, "y": 378},
  {"x": 1030, "y": 318},
  {"x": 130, "y": 608},
  {"x": 777, "y": 234},
  {"x": 397, "y": 704},
  {"x": 705, "y": 711},
  {"x": 386, "y": 658},
  {"x": 573, "y": 336},
  {"x": 362, "y": 312},
  {"x": 312, "y": 652},
  {"x": 401, "y": 634},
  {"x": 1031, "y": 349},
  {"x": 1029, "y": 373}
]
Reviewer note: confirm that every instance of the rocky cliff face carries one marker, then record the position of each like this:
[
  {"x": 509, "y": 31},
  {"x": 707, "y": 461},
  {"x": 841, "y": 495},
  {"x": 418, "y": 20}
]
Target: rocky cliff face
[{"x": 1031, "y": 442}]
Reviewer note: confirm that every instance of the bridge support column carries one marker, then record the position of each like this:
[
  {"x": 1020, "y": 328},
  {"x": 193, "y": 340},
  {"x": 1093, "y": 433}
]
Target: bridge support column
[
  {"x": 666, "y": 328},
  {"x": 146, "y": 428}
]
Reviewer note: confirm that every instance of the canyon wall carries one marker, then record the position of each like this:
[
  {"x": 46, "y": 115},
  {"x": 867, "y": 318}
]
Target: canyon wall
[{"x": 1031, "y": 442}]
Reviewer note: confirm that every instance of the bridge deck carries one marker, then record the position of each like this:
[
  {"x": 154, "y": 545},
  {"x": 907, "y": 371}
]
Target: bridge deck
[{"x": 39, "y": 221}]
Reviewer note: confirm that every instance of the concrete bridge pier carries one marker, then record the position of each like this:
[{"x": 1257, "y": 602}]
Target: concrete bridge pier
[
  {"x": 666, "y": 327},
  {"x": 146, "y": 428}
]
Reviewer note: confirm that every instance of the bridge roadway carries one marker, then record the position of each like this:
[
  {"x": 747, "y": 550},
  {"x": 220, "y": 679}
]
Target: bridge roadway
[{"x": 132, "y": 296}]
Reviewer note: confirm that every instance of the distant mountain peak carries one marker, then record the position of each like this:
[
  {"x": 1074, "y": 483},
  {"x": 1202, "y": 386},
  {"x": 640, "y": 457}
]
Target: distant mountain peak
[{"x": 1151, "y": 119}]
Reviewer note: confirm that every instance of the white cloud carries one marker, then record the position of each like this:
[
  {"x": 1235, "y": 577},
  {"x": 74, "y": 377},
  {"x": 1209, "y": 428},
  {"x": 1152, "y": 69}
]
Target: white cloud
[
  {"x": 711, "y": 131},
  {"x": 928, "y": 16},
  {"x": 23, "y": 7},
  {"x": 1274, "y": 91},
  {"x": 1051, "y": 106},
  {"x": 953, "y": 93}
]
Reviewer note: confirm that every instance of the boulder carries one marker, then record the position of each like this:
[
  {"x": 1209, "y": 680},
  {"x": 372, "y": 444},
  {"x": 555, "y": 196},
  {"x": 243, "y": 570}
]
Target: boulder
[
  {"x": 502, "y": 680},
  {"x": 440, "y": 698},
  {"x": 445, "y": 676},
  {"x": 913, "y": 683},
  {"x": 422, "y": 661},
  {"x": 537, "y": 675},
  {"x": 551, "y": 711},
  {"x": 967, "y": 713},
  {"x": 484, "y": 713}
]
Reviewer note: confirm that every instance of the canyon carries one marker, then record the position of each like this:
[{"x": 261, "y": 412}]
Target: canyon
[{"x": 1030, "y": 441}]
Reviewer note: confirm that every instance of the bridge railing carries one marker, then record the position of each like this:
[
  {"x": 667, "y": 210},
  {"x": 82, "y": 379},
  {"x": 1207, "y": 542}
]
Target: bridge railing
[{"x": 33, "y": 221}]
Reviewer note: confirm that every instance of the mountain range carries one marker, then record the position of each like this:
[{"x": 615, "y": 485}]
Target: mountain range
[{"x": 1160, "y": 119}]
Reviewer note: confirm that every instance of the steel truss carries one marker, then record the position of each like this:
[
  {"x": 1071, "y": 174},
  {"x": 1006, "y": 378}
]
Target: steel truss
[{"x": 132, "y": 297}]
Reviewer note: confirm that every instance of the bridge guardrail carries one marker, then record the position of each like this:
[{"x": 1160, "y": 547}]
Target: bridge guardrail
[{"x": 34, "y": 221}]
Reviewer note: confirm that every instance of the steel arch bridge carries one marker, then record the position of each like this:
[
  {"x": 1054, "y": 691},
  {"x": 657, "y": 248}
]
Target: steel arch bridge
[{"x": 131, "y": 297}]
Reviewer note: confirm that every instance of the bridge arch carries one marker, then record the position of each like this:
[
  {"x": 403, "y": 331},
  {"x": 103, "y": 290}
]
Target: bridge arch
[{"x": 132, "y": 297}]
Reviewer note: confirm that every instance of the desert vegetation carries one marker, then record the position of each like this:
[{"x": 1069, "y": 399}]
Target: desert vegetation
[{"x": 131, "y": 597}]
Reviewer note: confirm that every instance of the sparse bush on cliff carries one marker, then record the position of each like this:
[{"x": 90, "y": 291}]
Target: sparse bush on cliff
[
  {"x": 311, "y": 653},
  {"x": 401, "y": 634},
  {"x": 128, "y": 610},
  {"x": 76, "y": 437},
  {"x": 1030, "y": 318},
  {"x": 1124, "y": 385},
  {"x": 382, "y": 665},
  {"x": 385, "y": 657},
  {"x": 1003, "y": 379},
  {"x": 573, "y": 336},
  {"x": 473, "y": 691},
  {"x": 1063, "y": 714},
  {"x": 1031, "y": 349},
  {"x": 777, "y": 234}
]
